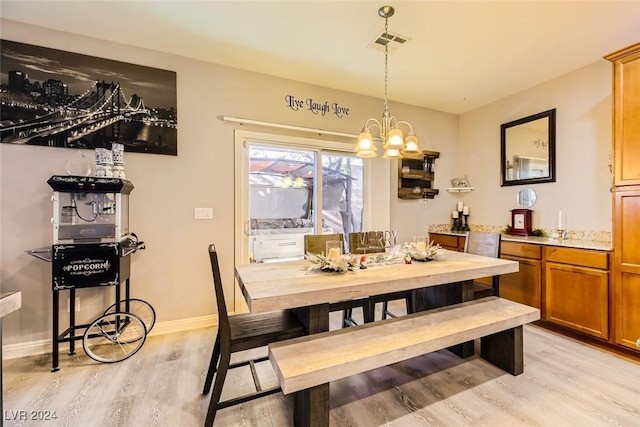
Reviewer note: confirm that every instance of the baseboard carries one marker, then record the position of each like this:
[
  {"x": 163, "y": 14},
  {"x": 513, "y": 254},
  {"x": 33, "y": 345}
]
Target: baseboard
[
  {"x": 173, "y": 326},
  {"x": 33, "y": 348}
]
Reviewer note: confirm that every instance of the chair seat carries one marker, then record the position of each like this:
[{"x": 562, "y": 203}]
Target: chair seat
[{"x": 256, "y": 330}]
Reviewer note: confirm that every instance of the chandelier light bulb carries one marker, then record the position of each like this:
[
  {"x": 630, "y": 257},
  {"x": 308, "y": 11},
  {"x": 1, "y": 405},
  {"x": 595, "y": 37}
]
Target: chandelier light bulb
[
  {"x": 395, "y": 139},
  {"x": 365, "y": 147},
  {"x": 366, "y": 154},
  {"x": 411, "y": 146},
  {"x": 392, "y": 153},
  {"x": 365, "y": 142}
]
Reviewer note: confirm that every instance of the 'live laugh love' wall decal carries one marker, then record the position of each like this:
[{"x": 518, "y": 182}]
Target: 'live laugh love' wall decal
[{"x": 316, "y": 107}]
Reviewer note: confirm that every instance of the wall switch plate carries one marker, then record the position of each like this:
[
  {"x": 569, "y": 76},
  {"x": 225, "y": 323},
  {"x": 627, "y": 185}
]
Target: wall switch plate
[
  {"x": 77, "y": 305},
  {"x": 203, "y": 213}
]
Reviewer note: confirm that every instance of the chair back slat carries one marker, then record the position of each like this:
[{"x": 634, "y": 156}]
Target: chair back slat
[
  {"x": 481, "y": 243},
  {"x": 486, "y": 244},
  {"x": 223, "y": 316},
  {"x": 317, "y": 243}
]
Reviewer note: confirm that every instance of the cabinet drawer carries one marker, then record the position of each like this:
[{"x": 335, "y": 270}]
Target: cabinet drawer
[
  {"x": 524, "y": 250},
  {"x": 445, "y": 240},
  {"x": 580, "y": 257}
]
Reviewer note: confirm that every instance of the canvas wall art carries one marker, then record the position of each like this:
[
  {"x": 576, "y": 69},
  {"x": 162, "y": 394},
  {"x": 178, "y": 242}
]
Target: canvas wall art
[{"x": 56, "y": 98}]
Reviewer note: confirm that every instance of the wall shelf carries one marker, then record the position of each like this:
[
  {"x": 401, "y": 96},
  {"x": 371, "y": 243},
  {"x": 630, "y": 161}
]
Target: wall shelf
[
  {"x": 459, "y": 189},
  {"x": 416, "y": 176}
]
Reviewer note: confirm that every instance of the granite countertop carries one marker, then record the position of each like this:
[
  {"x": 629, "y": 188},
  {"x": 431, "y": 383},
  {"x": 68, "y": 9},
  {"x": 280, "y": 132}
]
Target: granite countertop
[{"x": 548, "y": 241}]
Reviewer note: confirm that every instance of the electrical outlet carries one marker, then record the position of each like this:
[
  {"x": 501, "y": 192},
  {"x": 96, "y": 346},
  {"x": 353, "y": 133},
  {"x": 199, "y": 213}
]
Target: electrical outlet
[
  {"x": 77, "y": 305},
  {"x": 203, "y": 213}
]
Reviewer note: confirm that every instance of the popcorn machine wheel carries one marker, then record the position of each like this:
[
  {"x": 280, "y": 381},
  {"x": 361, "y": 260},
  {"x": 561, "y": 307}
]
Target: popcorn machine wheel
[{"x": 92, "y": 247}]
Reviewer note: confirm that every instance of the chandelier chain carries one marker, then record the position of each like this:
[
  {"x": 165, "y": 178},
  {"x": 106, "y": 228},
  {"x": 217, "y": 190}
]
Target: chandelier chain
[{"x": 386, "y": 58}]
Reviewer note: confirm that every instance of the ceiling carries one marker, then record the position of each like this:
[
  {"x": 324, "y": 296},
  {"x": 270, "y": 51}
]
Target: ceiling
[{"x": 461, "y": 54}]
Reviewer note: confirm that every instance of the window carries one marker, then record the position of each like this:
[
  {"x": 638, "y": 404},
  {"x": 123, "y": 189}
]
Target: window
[{"x": 289, "y": 190}]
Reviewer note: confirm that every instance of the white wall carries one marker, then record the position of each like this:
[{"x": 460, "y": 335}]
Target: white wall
[
  {"x": 173, "y": 273},
  {"x": 583, "y": 104}
]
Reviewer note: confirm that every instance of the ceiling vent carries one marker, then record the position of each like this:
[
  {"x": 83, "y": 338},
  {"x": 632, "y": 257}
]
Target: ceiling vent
[{"x": 395, "y": 41}]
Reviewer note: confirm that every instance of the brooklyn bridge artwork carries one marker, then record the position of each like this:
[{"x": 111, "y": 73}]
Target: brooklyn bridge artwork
[{"x": 55, "y": 98}]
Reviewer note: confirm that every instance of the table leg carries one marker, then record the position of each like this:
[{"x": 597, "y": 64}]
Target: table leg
[
  {"x": 443, "y": 295},
  {"x": 311, "y": 406}
]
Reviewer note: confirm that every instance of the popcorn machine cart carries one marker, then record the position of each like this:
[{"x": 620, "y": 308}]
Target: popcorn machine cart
[{"x": 92, "y": 247}]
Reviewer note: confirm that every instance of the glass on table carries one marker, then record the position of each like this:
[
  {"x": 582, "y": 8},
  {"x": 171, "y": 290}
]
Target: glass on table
[
  {"x": 333, "y": 249},
  {"x": 420, "y": 243}
]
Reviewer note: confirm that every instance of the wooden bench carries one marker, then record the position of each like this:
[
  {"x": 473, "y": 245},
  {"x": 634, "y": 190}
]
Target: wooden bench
[{"x": 301, "y": 364}]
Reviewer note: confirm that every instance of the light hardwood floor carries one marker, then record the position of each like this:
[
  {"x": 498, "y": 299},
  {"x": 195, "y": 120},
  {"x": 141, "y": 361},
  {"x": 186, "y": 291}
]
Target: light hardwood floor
[{"x": 565, "y": 383}]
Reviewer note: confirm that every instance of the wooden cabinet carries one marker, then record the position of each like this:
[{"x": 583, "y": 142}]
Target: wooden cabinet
[
  {"x": 577, "y": 293},
  {"x": 626, "y": 205},
  {"x": 416, "y": 176},
  {"x": 525, "y": 285},
  {"x": 626, "y": 115},
  {"x": 626, "y": 266},
  {"x": 448, "y": 241}
]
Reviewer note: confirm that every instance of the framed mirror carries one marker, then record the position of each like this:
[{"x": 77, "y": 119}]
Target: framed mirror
[{"x": 528, "y": 150}]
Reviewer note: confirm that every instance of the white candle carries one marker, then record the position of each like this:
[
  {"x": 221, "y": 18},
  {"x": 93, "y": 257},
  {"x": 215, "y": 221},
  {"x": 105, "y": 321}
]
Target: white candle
[
  {"x": 459, "y": 206},
  {"x": 465, "y": 210},
  {"x": 560, "y": 220},
  {"x": 421, "y": 246},
  {"x": 334, "y": 253},
  {"x": 455, "y": 214}
]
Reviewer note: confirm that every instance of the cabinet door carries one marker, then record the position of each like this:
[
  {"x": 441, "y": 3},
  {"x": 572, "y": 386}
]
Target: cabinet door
[
  {"x": 523, "y": 286},
  {"x": 626, "y": 267},
  {"x": 578, "y": 298},
  {"x": 626, "y": 115}
]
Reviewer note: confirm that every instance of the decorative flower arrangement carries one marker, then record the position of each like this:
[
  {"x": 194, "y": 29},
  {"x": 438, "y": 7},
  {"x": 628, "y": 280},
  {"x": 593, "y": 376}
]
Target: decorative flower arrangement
[
  {"x": 348, "y": 262},
  {"x": 430, "y": 252},
  {"x": 340, "y": 264}
]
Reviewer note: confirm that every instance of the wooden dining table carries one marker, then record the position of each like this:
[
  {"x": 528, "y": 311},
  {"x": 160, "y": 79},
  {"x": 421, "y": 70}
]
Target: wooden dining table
[{"x": 292, "y": 285}]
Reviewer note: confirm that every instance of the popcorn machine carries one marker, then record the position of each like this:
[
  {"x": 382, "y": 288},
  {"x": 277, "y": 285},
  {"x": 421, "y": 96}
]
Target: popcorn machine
[{"x": 91, "y": 247}]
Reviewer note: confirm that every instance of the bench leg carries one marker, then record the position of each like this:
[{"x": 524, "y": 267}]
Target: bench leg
[
  {"x": 443, "y": 295},
  {"x": 311, "y": 407},
  {"x": 505, "y": 350}
]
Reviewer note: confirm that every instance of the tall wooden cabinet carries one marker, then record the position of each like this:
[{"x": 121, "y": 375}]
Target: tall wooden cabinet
[
  {"x": 626, "y": 115},
  {"x": 626, "y": 265},
  {"x": 626, "y": 201}
]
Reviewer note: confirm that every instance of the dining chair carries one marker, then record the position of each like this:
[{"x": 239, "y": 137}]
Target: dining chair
[
  {"x": 238, "y": 333},
  {"x": 486, "y": 244},
  {"x": 370, "y": 242},
  {"x": 316, "y": 244}
]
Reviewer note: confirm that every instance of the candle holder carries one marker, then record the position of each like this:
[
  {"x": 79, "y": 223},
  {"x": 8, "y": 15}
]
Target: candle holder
[
  {"x": 466, "y": 223},
  {"x": 458, "y": 225},
  {"x": 562, "y": 234}
]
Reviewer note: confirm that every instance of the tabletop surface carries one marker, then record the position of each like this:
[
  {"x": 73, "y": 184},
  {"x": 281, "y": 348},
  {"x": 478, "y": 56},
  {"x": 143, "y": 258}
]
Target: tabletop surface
[{"x": 290, "y": 284}]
